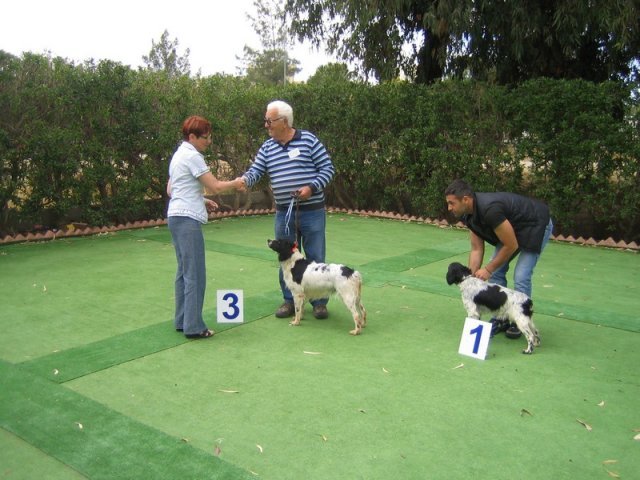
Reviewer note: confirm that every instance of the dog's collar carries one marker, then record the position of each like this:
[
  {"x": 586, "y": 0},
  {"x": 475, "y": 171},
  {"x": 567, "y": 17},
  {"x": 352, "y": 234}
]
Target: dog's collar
[{"x": 295, "y": 247}]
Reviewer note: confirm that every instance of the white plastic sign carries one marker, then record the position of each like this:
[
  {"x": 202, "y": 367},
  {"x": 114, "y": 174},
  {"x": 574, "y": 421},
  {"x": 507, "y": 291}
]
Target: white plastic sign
[
  {"x": 230, "y": 306},
  {"x": 475, "y": 338}
]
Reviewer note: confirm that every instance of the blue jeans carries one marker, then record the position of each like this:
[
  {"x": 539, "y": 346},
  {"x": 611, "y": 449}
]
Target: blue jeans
[
  {"x": 527, "y": 261},
  {"x": 310, "y": 236},
  {"x": 191, "y": 278}
]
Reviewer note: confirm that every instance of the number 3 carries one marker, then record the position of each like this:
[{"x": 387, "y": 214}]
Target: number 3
[{"x": 232, "y": 303}]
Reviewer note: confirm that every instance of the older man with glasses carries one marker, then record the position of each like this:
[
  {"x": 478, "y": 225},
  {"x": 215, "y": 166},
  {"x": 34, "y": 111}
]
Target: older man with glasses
[{"x": 299, "y": 170}]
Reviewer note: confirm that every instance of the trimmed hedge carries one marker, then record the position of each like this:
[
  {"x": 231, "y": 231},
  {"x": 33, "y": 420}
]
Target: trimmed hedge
[{"x": 92, "y": 142}]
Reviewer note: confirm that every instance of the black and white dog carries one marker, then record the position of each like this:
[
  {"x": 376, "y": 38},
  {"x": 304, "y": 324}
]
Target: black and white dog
[
  {"x": 481, "y": 297},
  {"x": 309, "y": 280}
]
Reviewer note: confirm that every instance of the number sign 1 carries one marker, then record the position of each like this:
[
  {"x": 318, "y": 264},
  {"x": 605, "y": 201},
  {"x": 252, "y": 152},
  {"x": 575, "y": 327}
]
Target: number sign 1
[
  {"x": 475, "y": 338},
  {"x": 230, "y": 306}
]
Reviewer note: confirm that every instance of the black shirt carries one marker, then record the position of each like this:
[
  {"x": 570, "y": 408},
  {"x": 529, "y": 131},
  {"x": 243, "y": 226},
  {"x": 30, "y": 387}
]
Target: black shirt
[{"x": 528, "y": 217}]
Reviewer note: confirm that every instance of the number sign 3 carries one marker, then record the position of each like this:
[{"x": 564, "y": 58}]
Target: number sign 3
[{"x": 230, "y": 306}]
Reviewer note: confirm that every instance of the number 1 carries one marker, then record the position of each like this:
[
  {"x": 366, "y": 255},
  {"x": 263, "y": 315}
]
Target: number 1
[{"x": 478, "y": 332}]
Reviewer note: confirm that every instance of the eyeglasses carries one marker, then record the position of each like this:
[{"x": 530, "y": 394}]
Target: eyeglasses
[{"x": 269, "y": 121}]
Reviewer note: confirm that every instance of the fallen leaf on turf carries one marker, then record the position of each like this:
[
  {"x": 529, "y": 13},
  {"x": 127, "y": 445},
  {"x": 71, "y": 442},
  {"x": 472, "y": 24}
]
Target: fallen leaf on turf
[
  {"x": 385, "y": 370},
  {"x": 459, "y": 366},
  {"x": 637, "y": 437},
  {"x": 609, "y": 462},
  {"x": 524, "y": 412},
  {"x": 44, "y": 288},
  {"x": 185, "y": 440},
  {"x": 229, "y": 391},
  {"x": 55, "y": 371},
  {"x": 324, "y": 438},
  {"x": 584, "y": 424},
  {"x": 601, "y": 404},
  {"x": 612, "y": 474},
  {"x": 259, "y": 448},
  {"x": 79, "y": 425},
  {"x": 217, "y": 451},
  {"x": 312, "y": 353}
]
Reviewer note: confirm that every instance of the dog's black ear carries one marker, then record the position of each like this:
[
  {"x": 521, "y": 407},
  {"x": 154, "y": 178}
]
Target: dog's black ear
[
  {"x": 456, "y": 273},
  {"x": 464, "y": 271},
  {"x": 450, "y": 275}
]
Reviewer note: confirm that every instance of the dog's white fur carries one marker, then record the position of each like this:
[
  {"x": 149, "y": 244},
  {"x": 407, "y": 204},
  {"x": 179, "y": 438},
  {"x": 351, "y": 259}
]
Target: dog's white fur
[
  {"x": 504, "y": 303},
  {"x": 309, "y": 280}
]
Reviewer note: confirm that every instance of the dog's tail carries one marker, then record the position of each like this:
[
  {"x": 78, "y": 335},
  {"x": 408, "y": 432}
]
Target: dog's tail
[
  {"x": 363, "y": 312},
  {"x": 358, "y": 278}
]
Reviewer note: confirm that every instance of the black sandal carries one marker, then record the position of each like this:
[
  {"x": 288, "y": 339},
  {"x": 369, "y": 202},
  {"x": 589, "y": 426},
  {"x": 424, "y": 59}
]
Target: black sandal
[{"x": 206, "y": 334}]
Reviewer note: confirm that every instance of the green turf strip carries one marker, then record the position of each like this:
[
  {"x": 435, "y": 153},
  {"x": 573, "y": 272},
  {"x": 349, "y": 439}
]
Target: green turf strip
[
  {"x": 412, "y": 259},
  {"x": 21, "y": 461},
  {"x": 163, "y": 235},
  {"x": 85, "y": 359},
  {"x": 95, "y": 440}
]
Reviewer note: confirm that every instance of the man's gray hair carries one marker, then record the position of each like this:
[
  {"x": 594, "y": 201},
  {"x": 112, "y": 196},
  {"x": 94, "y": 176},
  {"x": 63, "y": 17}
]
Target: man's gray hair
[{"x": 284, "y": 110}]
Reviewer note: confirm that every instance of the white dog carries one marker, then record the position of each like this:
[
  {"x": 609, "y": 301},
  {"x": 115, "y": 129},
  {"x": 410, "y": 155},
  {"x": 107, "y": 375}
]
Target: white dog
[
  {"x": 311, "y": 281},
  {"x": 481, "y": 297}
]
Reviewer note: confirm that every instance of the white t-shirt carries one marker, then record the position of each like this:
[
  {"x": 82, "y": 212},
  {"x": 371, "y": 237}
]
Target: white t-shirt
[{"x": 187, "y": 200}]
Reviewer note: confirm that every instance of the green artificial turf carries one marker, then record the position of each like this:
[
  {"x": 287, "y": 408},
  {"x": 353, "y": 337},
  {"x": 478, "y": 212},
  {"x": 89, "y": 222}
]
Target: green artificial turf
[
  {"x": 87, "y": 339},
  {"x": 23, "y": 461},
  {"x": 95, "y": 440}
]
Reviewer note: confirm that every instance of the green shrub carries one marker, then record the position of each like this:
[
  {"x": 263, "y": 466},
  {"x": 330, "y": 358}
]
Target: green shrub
[{"x": 96, "y": 140}]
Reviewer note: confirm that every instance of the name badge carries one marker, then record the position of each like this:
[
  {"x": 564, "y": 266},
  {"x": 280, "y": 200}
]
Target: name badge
[{"x": 295, "y": 153}]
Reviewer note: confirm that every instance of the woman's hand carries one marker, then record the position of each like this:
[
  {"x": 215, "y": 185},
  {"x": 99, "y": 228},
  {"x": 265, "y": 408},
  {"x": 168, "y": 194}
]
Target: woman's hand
[
  {"x": 240, "y": 184},
  {"x": 210, "y": 205}
]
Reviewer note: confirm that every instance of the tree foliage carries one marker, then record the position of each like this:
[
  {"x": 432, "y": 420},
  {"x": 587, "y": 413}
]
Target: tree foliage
[
  {"x": 267, "y": 67},
  {"x": 508, "y": 42},
  {"x": 270, "y": 65},
  {"x": 164, "y": 57},
  {"x": 332, "y": 73}
]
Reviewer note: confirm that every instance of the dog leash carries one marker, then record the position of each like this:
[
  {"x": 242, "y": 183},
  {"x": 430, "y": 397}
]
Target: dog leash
[{"x": 287, "y": 217}]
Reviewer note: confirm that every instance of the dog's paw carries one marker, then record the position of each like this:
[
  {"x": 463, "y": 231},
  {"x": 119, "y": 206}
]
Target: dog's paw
[
  {"x": 528, "y": 351},
  {"x": 294, "y": 323},
  {"x": 355, "y": 331}
]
